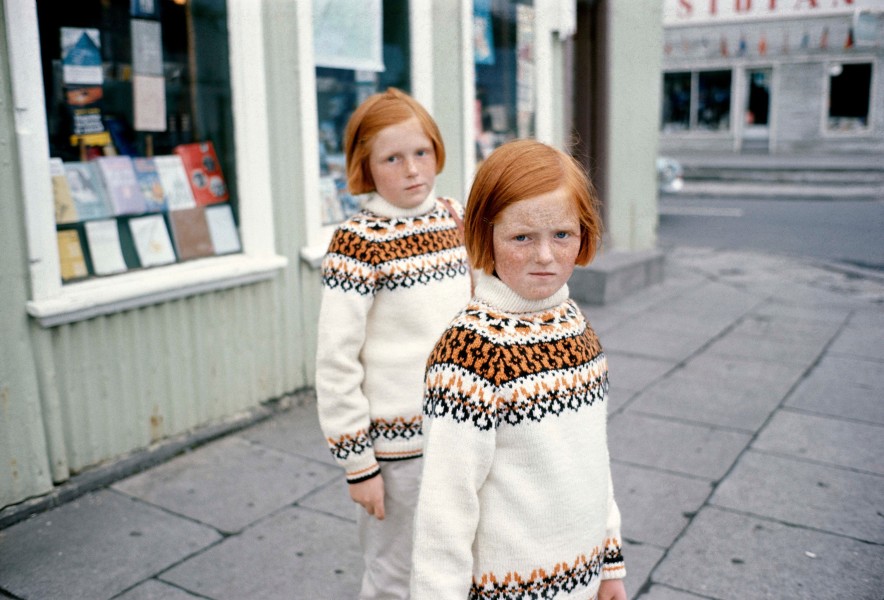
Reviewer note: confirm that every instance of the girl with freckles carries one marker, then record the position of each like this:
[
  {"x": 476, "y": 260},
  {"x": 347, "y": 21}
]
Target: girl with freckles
[
  {"x": 394, "y": 275},
  {"x": 516, "y": 499}
]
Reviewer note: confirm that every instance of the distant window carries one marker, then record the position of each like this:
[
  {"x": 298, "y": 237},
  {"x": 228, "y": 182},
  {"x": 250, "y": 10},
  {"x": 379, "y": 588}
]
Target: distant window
[
  {"x": 676, "y": 101},
  {"x": 849, "y": 89},
  {"x": 714, "y": 100},
  {"x": 699, "y": 101}
]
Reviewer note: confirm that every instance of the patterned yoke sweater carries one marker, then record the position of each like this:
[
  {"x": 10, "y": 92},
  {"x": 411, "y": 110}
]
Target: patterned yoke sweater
[
  {"x": 516, "y": 500},
  {"x": 392, "y": 280}
]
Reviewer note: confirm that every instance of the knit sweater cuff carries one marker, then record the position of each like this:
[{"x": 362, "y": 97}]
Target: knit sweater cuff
[{"x": 614, "y": 566}]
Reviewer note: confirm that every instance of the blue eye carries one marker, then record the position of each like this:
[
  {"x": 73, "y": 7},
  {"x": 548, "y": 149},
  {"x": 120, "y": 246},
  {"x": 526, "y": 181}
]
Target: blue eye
[
  {"x": 520, "y": 237},
  {"x": 562, "y": 235}
]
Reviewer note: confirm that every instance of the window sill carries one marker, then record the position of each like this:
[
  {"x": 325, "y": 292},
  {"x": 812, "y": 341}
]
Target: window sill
[{"x": 87, "y": 299}]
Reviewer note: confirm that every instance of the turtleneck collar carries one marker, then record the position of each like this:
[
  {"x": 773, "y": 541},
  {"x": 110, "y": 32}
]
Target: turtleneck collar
[
  {"x": 380, "y": 206},
  {"x": 493, "y": 291}
]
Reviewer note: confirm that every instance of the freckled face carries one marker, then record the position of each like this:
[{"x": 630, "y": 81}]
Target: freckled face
[
  {"x": 403, "y": 164},
  {"x": 536, "y": 242}
]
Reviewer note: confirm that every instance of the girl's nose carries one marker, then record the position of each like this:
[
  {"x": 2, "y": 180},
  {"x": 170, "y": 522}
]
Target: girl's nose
[
  {"x": 410, "y": 166},
  {"x": 544, "y": 252}
]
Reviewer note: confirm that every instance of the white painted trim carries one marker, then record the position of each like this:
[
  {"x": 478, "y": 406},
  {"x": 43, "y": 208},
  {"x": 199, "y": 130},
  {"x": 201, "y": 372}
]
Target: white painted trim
[
  {"x": 53, "y": 303},
  {"x": 33, "y": 146},
  {"x": 544, "y": 84},
  {"x": 468, "y": 68},
  {"x": 135, "y": 289},
  {"x": 420, "y": 23}
]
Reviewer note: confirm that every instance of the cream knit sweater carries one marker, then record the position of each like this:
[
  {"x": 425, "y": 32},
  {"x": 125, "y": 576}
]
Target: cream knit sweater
[
  {"x": 392, "y": 280},
  {"x": 516, "y": 499}
]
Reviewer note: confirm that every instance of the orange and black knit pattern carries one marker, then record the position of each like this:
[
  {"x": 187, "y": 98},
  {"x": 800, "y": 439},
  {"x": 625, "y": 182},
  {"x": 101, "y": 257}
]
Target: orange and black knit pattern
[
  {"x": 548, "y": 366},
  {"x": 370, "y": 253}
]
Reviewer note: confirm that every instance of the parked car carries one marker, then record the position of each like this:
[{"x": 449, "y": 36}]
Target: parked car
[{"x": 670, "y": 175}]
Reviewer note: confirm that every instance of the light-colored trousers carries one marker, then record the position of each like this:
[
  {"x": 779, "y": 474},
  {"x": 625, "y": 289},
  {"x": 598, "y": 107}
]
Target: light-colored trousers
[{"x": 386, "y": 545}]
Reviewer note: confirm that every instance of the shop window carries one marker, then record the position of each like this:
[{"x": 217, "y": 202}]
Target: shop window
[
  {"x": 698, "y": 101},
  {"x": 375, "y": 57},
  {"x": 713, "y": 100},
  {"x": 503, "y": 32},
  {"x": 676, "y": 101},
  {"x": 140, "y": 131},
  {"x": 849, "y": 89}
]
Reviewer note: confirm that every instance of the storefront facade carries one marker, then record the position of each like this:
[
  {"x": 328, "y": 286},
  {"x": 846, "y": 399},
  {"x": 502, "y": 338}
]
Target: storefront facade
[
  {"x": 126, "y": 325},
  {"x": 773, "y": 76}
]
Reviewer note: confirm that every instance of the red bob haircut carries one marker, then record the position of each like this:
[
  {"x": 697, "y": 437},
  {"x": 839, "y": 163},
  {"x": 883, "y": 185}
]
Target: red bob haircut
[
  {"x": 520, "y": 170},
  {"x": 378, "y": 112}
]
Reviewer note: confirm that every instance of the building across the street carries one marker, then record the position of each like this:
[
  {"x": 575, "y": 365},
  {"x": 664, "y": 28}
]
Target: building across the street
[{"x": 778, "y": 76}]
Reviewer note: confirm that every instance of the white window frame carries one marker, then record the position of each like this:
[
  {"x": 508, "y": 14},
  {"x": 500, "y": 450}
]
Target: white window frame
[{"x": 53, "y": 303}]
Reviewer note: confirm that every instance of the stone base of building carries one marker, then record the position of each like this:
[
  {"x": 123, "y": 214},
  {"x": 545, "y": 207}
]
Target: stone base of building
[{"x": 615, "y": 275}]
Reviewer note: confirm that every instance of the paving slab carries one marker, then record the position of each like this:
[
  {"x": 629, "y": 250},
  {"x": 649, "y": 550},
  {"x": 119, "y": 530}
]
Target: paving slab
[
  {"x": 861, "y": 337},
  {"x": 843, "y": 386},
  {"x": 631, "y": 373},
  {"x": 714, "y": 299},
  {"x": 655, "y": 506},
  {"x": 743, "y": 405},
  {"x": 826, "y": 498},
  {"x": 297, "y": 553},
  {"x": 691, "y": 449},
  {"x": 829, "y": 440},
  {"x": 296, "y": 431},
  {"x": 787, "y": 329},
  {"x": 333, "y": 499},
  {"x": 156, "y": 590},
  {"x": 730, "y": 556},
  {"x": 662, "y": 592},
  {"x": 95, "y": 547},
  {"x": 635, "y": 337},
  {"x": 823, "y": 314},
  {"x": 228, "y": 484},
  {"x": 743, "y": 372},
  {"x": 751, "y": 346},
  {"x": 640, "y": 561}
]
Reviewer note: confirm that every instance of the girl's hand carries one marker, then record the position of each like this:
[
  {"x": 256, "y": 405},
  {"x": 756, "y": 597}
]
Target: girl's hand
[
  {"x": 370, "y": 495},
  {"x": 612, "y": 589}
]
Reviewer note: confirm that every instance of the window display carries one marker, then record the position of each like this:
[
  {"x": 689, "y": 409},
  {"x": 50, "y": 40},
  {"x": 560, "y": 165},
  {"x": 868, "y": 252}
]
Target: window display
[
  {"x": 139, "y": 120},
  {"x": 345, "y": 79},
  {"x": 503, "y": 33},
  {"x": 699, "y": 100}
]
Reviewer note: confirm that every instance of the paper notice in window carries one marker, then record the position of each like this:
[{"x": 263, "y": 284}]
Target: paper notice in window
[
  {"x": 147, "y": 47},
  {"x": 149, "y": 95}
]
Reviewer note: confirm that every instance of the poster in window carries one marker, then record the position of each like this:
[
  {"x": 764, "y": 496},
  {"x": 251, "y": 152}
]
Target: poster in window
[
  {"x": 145, "y": 8},
  {"x": 147, "y": 47},
  {"x": 152, "y": 241},
  {"x": 150, "y": 184},
  {"x": 483, "y": 33},
  {"x": 203, "y": 172},
  {"x": 149, "y": 99},
  {"x": 174, "y": 180},
  {"x": 122, "y": 186},
  {"x": 348, "y": 35},
  {"x": 103, "y": 238},
  {"x": 81, "y": 56},
  {"x": 65, "y": 209},
  {"x": 190, "y": 231},
  {"x": 87, "y": 190},
  {"x": 84, "y": 105},
  {"x": 222, "y": 229},
  {"x": 70, "y": 255}
]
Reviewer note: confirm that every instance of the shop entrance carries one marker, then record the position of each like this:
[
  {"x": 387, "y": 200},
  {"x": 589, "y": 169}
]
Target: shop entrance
[{"x": 756, "y": 124}]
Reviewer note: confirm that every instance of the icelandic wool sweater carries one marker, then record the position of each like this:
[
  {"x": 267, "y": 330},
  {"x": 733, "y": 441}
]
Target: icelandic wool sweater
[
  {"x": 516, "y": 500},
  {"x": 392, "y": 280}
]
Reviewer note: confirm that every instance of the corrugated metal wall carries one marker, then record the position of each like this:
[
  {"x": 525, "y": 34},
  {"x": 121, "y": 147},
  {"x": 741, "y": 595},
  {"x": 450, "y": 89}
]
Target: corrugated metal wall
[{"x": 129, "y": 379}]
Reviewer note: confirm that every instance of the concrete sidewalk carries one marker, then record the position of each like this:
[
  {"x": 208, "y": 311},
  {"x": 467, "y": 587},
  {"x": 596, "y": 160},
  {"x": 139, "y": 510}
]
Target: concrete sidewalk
[{"x": 746, "y": 434}]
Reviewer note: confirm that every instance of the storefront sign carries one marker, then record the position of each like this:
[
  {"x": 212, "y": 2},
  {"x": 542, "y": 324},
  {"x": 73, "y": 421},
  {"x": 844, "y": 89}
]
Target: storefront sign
[{"x": 693, "y": 12}]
